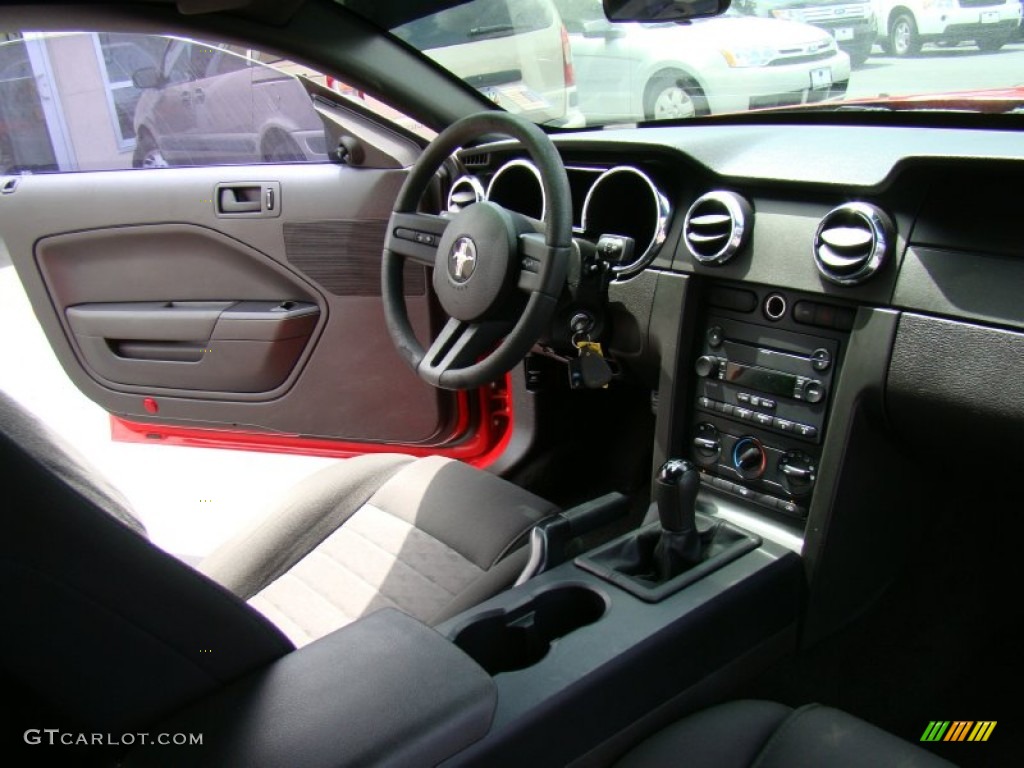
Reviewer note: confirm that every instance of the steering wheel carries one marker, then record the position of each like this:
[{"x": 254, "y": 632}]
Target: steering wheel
[{"x": 496, "y": 276}]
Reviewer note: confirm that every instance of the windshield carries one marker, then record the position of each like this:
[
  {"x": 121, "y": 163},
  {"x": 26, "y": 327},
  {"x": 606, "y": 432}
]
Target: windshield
[{"x": 562, "y": 63}]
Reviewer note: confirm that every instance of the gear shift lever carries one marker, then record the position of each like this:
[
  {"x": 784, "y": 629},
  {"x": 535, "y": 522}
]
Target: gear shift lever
[
  {"x": 657, "y": 560},
  {"x": 675, "y": 493}
]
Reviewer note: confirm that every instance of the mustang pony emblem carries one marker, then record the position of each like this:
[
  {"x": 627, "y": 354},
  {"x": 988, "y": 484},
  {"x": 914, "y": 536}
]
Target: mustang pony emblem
[{"x": 462, "y": 260}]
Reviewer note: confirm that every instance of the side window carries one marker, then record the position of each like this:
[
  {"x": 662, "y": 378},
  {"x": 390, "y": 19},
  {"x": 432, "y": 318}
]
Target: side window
[{"x": 107, "y": 101}]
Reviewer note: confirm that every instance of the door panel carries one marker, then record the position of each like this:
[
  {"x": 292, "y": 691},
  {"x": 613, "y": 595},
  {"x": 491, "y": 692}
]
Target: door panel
[
  {"x": 211, "y": 346},
  {"x": 133, "y": 273}
]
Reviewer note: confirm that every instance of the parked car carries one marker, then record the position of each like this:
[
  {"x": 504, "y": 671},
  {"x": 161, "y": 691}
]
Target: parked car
[
  {"x": 514, "y": 51},
  {"x": 207, "y": 103},
  {"x": 852, "y": 24},
  {"x": 630, "y": 72},
  {"x": 720, "y": 411},
  {"x": 905, "y": 25}
]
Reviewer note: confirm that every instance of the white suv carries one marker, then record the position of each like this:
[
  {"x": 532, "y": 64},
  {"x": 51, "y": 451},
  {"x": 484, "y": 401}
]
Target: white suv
[{"x": 905, "y": 25}]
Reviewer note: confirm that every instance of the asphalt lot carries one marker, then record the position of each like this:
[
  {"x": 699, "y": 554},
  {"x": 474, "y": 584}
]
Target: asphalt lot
[{"x": 938, "y": 70}]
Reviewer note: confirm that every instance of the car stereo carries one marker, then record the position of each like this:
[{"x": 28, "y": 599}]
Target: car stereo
[{"x": 761, "y": 400}]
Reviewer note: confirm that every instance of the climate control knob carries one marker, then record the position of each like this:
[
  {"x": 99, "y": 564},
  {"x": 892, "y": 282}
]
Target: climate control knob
[
  {"x": 706, "y": 444},
  {"x": 749, "y": 458},
  {"x": 797, "y": 471},
  {"x": 706, "y": 366}
]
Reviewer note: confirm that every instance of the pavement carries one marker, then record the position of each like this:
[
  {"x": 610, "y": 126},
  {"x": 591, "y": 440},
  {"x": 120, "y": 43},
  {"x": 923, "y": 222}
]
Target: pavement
[{"x": 190, "y": 499}]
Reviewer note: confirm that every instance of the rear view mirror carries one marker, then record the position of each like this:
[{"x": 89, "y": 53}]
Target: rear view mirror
[
  {"x": 663, "y": 10},
  {"x": 147, "y": 77}
]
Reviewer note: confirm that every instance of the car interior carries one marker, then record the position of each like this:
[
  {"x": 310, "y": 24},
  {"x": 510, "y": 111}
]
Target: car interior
[{"x": 685, "y": 441}]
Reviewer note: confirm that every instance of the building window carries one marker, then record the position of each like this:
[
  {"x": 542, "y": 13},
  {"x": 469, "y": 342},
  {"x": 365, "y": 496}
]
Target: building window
[{"x": 121, "y": 55}]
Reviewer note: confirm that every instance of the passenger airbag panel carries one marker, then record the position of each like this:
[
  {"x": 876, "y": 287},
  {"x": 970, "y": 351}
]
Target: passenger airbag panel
[{"x": 953, "y": 383}]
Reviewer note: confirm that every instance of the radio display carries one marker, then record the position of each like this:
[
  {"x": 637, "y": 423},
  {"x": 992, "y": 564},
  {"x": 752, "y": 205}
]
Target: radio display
[{"x": 761, "y": 379}]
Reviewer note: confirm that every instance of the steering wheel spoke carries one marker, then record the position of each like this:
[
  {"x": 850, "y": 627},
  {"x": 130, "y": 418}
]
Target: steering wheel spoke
[
  {"x": 542, "y": 268},
  {"x": 415, "y": 236},
  {"x": 459, "y": 345}
]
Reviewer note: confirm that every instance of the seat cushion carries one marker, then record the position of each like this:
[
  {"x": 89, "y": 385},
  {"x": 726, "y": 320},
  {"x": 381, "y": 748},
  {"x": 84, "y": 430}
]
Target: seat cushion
[
  {"x": 429, "y": 536},
  {"x": 764, "y": 734}
]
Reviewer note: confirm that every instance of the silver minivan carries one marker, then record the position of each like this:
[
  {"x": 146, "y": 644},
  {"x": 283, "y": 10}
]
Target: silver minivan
[{"x": 516, "y": 52}]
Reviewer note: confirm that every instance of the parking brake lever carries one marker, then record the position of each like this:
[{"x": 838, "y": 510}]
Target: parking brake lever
[{"x": 550, "y": 537}]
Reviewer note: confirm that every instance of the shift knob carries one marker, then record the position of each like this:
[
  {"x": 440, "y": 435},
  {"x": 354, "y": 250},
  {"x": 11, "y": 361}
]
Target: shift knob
[{"x": 675, "y": 493}]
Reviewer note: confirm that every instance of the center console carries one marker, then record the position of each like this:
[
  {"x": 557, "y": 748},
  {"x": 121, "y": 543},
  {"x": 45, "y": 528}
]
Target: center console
[{"x": 765, "y": 366}]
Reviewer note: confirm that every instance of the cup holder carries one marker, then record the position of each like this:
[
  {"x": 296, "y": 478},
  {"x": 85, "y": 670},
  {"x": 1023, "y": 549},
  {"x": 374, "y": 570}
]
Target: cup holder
[{"x": 521, "y": 637}]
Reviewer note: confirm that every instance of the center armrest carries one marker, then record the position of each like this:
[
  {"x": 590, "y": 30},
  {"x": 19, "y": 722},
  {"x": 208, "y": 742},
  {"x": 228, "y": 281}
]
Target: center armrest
[{"x": 383, "y": 690}]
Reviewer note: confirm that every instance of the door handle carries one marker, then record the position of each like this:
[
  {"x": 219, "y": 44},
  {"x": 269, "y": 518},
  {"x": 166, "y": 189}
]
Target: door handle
[
  {"x": 248, "y": 199},
  {"x": 240, "y": 199}
]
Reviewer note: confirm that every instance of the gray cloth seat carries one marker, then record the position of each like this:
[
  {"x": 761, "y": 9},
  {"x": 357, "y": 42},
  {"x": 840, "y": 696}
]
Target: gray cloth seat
[
  {"x": 99, "y": 608},
  {"x": 429, "y": 536},
  {"x": 765, "y": 734}
]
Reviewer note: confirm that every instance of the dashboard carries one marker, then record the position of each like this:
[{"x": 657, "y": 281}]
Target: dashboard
[{"x": 822, "y": 270}]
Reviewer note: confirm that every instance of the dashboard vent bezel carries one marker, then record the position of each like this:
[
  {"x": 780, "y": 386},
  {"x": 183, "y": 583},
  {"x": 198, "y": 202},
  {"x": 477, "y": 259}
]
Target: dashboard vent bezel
[
  {"x": 852, "y": 242},
  {"x": 475, "y": 159},
  {"x": 473, "y": 183},
  {"x": 711, "y": 212}
]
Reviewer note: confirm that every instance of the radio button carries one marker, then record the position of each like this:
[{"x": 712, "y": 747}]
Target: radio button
[
  {"x": 803, "y": 312},
  {"x": 821, "y": 359},
  {"x": 715, "y": 336},
  {"x": 743, "y": 397},
  {"x": 764, "y": 419},
  {"x": 769, "y": 404},
  {"x": 806, "y": 430},
  {"x": 784, "y": 425},
  {"x": 727, "y": 408},
  {"x": 743, "y": 413},
  {"x": 789, "y": 508},
  {"x": 745, "y": 492}
]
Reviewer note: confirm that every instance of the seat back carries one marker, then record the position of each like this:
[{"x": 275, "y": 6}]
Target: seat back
[{"x": 99, "y": 624}]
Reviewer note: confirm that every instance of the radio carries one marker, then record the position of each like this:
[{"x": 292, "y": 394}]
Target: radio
[{"x": 761, "y": 400}]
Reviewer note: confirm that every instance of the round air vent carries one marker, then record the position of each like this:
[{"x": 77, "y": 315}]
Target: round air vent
[
  {"x": 852, "y": 242},
  {"x": 465, "y": 191},
  {"x": 717, "y": 225}
]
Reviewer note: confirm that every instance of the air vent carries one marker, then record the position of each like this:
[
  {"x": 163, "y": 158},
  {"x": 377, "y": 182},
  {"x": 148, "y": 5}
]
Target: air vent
[
  {"x": 464, "y": 192},
  {"x": 717, "y": 225},
  {"x": 476, "y": 159},
  {"x": 853, "y": 242}
]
